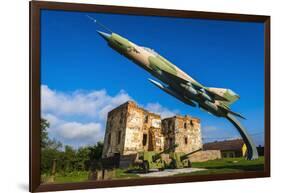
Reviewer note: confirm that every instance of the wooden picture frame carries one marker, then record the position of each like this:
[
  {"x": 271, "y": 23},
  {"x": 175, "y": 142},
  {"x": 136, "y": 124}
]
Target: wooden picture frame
[{"x": 34, "y": 100}]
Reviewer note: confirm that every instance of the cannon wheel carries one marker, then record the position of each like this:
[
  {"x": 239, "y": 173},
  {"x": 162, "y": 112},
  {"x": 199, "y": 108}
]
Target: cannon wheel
[
  {"x": 189, "y": 163},
  {"x": 173, "y": 164},
  {"x": 145, "y": 167}
]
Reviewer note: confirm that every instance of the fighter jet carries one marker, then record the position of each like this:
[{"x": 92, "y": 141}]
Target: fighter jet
[{"x": 179, "y": 84}]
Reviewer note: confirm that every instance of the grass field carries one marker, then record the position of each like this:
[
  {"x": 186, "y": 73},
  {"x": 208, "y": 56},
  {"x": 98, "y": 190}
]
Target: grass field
[
  {"x": 227, "y": 165},
  {"x": 64, "y": 178}
]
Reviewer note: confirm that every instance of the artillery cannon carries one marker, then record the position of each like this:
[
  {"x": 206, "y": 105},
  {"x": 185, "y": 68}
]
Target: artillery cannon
[
  {"x": 165, "y": 151},
  {"x": 153, "y": 160},
  {"x": 181, "y": 160}
]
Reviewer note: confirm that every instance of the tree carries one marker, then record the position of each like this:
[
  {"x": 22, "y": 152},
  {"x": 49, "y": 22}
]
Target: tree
[
  {"x": 95, "y": 155},
  {"x": 54, "y": 144},
  {"x": 96, "y": 151},
  {"x": 69, "y": 159},
  {"x": 49, "y": 148},
  {"x": 69, "y": 156},
  {"x": 47, "y": 157},
  {"x": 82, "y": 158},
  {"x": 44, "y": 133}
]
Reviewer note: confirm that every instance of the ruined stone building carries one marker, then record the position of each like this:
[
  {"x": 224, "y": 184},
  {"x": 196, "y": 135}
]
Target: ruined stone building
[
  {"x": 185, "y": 131},
  {"x": 131, "y": 129}
]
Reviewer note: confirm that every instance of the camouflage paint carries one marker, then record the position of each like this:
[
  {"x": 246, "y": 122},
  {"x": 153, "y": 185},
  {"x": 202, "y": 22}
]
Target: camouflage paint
[
  {"x": 180, "y": 85},
  {"x": 157, "y": 64}
]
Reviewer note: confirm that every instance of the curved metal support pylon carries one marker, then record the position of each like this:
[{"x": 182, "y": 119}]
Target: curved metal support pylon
[{"x": 252, "y": 152}]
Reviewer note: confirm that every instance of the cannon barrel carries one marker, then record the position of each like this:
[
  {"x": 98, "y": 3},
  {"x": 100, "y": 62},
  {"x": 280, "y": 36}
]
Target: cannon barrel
[
  {"x": 185, "y": 156},
  {"x": 168, "y": 150}
]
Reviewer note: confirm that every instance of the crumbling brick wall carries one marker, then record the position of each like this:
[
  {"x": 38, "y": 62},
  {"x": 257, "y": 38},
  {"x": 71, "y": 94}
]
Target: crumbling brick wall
[
  {"x": 131, "y": 129},
  {"x": 184, "y": 131},
  {"x": 139, "y": 129},
  {"x": 143, "y": 130},
  {"x": 115, "y": 131}
]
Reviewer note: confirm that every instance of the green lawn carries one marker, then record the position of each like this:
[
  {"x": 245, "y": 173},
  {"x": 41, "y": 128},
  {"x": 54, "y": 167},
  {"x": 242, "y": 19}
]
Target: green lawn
[
  {"x": 227, "y": 165},
  {"x": 68, "y": 177},
  {"x": 232, "y": 163},
  {"x": 83, "y": 176},
  {"x": 124, "y": 174}
]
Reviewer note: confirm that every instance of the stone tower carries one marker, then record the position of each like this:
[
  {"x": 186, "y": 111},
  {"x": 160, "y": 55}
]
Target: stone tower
[
  {"x": 185, "y": 131},
  {"x": 131, "y": 129}
]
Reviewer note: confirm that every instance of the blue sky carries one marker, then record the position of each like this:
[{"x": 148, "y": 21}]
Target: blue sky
[{"x": 78, "y": 66}]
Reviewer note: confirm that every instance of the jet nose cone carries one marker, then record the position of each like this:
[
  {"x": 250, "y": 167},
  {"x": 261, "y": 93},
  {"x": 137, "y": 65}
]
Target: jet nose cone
[{"x": 104, "y": 35}]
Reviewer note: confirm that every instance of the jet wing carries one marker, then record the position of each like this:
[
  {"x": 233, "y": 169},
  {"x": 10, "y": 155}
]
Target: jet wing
[
  {"x": 180, "y": 81},
  {"x": 215, "y": 96},
  {"x": 170, "y": 91}
]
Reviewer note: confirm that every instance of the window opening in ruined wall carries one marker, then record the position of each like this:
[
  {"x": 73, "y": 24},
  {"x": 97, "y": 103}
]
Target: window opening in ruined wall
[
  {"x": 144, "y": 139},
  {"x": 185, "y": 140},
  {"x": 109, "y": 138},
  {"x": 121, "y": 118},
  {"x": 119, "y": 137},
  {"x": 170, "y": 142}
]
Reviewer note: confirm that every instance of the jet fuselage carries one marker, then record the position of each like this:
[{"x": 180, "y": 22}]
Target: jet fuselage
[{"x": 155, "y": 64}]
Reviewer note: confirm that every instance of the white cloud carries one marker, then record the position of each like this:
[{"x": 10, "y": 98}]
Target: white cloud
[
  {"x": 53, "y": 120},
  {"x": 95, "y": 104},
  {"x": 159, "y": 109},
  {"x": 79, "y": 131},
  {"x": 74, "y": 133},
  {"x": 213, "y": 133},
  {"x": 210, "y": 128},
  {"x": 78, "y": 118}
]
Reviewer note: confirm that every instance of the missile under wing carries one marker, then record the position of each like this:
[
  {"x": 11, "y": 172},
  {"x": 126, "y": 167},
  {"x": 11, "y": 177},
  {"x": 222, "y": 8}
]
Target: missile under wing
[{"x": 173, "y": 93}]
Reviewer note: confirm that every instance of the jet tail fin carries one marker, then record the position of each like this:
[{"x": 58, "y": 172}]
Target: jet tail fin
[{"x": 228, "y": 95}]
